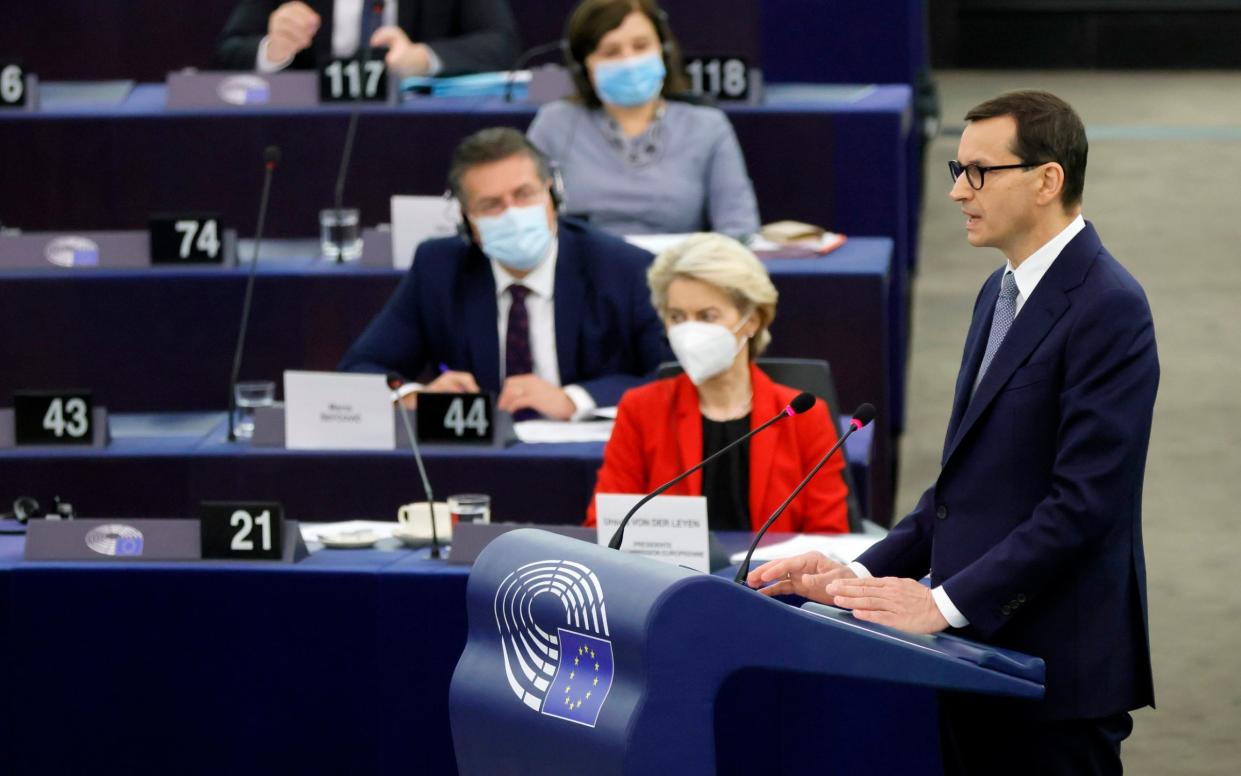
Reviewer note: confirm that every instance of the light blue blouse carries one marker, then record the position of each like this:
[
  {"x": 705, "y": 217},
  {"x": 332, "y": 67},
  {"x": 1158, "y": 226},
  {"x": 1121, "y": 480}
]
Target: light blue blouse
[{"x": 685, "y": 173}]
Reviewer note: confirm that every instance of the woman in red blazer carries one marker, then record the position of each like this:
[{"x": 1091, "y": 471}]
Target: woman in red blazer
[{"x": 717, "y": 302}]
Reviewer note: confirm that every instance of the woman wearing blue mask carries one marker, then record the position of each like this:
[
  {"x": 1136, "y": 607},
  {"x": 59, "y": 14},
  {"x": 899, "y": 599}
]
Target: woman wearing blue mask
[
  {"x": 635, "y": 160},
  {"x": 717, "y": 302}
]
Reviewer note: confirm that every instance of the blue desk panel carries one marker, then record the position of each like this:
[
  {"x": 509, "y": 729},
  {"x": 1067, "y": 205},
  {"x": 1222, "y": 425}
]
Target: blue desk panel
[
  {"x": 162, "y": 339},
  {"x": 339, "y": 664},
  {"x": 164, "y": 465},
  {"x": 838, "y": 157}
]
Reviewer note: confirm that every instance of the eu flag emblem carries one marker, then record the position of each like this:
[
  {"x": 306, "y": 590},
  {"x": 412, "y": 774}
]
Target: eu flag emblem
[{"x": 583, "y": 678}]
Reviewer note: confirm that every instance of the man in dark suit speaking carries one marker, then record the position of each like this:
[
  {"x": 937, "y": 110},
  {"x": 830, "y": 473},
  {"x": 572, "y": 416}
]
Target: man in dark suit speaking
[
  {"x": 423, "y": 37},
  {"x": 1031, "y": 533},
  {"x": 551, "y": 315}
]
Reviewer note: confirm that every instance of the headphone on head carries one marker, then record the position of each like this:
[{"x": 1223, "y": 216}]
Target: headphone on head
[
  {"x": 577, "y": 67},
  {"x": 555, "y": 189}
]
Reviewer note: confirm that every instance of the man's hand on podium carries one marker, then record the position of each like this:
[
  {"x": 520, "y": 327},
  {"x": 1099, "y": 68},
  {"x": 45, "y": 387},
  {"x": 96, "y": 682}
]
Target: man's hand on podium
[
  {"x": 807, "y": 575},
  {"x": 904, "y": 604}
]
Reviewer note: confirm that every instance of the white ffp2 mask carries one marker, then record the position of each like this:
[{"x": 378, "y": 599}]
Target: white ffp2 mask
[{"x": 705, "y": 349}]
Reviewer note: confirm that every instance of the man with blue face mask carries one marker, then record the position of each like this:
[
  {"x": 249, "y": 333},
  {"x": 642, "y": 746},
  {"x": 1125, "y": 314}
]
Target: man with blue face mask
[{"x": 551, "y": 316}]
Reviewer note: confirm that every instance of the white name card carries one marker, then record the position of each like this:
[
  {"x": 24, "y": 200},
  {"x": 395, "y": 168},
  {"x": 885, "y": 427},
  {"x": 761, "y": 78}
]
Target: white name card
[
  {"x": 667, "y": 528},
  {"x": 334, "y": 411},
  {"x": 415, "y": 219}
]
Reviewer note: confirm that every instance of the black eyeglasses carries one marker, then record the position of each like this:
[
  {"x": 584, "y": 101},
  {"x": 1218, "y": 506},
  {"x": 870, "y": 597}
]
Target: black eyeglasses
[{"x": 976, "y": 174}]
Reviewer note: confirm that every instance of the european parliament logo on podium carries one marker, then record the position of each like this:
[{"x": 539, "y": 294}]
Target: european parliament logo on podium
[{"x": 566, "y": 674}]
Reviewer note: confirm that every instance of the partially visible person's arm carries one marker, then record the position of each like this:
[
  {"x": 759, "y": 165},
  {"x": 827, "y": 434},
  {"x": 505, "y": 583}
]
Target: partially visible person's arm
[
  {"x": 823, "y": 505},
  {"x": 730, "y": 194},
  {"x": 265, "y": 35},
  {"x": 625, "y": 468},
  {"x": 488, "y": 40}
]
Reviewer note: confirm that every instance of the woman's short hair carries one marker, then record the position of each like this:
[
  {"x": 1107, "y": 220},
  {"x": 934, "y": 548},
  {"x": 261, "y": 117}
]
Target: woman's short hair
[
  {"x": 729, "y": 266},
  {"x": 592, "y": 19}
]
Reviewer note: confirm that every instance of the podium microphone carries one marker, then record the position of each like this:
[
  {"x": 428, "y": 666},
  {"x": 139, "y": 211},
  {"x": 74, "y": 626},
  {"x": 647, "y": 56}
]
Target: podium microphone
[
  {"x": 524, "y": 59},
  {"x": 801, "y": 402},
  {"x": 863, "y": 415},
  {"x": 394, "y": 382},
  {"x": 346, "y": 156},
  {"x": 271, "y": 157}
]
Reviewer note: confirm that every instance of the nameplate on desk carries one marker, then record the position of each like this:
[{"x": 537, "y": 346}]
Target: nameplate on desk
[
  {"x": 668, "y": 528},
  {"x": 337, "y": 411},
  {"x": 18, "y": 88},
  {"x": 242, "y": 530},
  {"x": 112, "y": 540},
  {"x": 74, "y": 250},
  {"x": 269, "y": 428},
  {"x": 191, "y": 238},
  {"x": 53, "y": 419},
  {"x": 213, "y": 89},
  {"x": 352, "y": 80},
  {"x": 455, "y": 418}
]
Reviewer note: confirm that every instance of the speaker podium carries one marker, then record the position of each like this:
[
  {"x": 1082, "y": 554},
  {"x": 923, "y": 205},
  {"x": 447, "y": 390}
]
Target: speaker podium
[{"x": 579, "y": 657}]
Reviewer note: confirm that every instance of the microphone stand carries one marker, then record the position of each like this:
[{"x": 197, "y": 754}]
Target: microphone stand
[
  {"x": 523, "y": 60},
  {"x": 350, "y": 132},
  {"x": 422, "y": 472},
  {"x": 744, "y": 570},
  {"x": 270, "y": 157}
]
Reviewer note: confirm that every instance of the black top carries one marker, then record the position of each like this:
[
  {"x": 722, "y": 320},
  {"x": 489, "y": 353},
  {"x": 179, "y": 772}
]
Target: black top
[{"x": 726, "y": 480}]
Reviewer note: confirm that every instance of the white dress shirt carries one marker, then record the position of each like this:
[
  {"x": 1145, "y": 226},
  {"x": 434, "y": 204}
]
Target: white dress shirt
[
  {"x": 346, "y": 28},
  {"x": 1027, "y": 275},
  {"x": 541, "y": 310}
]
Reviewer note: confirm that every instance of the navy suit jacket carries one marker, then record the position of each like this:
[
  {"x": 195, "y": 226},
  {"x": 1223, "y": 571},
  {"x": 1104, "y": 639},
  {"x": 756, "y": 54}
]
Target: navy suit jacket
[
  {"x": 608, "y": 337},
  {"x": 1033, "y": 525}
]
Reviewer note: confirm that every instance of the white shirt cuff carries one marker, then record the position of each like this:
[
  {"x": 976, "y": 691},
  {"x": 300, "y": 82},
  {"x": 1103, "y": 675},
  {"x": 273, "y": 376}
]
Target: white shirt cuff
[
  {"x": 861, "y": 571},
  {"x": 434, "y": 65},
  {"x": 584, "y": 405},
  {"x": 265, "y": 65},
  {"x": 951, "y": 613},
  {"x": 407, "y": 388}
]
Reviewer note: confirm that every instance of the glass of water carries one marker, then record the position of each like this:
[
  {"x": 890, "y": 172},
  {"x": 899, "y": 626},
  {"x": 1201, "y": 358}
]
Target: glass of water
[
  {"x": 340, "y": 237},
  {"x": 248, "y": 395}
]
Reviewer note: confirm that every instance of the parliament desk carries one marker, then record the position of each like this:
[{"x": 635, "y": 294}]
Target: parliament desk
[
  {"x": 837, "y": 156},
  {"x": 161, "y": 340},
  {"x": 796, "y": 40},
  {"x": 164, "y": 465},
  {"x": 338, "y": 664}
]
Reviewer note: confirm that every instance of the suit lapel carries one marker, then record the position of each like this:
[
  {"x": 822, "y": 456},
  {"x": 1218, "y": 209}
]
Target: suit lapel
[
  {"x": 1037, "y": 317},
  {"x": 481, "y": 320},
  {"x": 406, "y": 12},
  {"x": 975, "y": 347},
  {"x": 689, "y": 431},
  {"x": 570, "y": 295},
  {"x": 762, "y": 446}
]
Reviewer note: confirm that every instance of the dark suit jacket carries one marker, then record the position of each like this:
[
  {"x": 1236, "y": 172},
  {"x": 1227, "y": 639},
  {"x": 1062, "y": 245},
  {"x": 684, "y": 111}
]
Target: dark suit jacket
[
  {"x": 1033, "y": 525},
  {"x": 469, "y": 36},
  {"x": 608, "y": 337}
]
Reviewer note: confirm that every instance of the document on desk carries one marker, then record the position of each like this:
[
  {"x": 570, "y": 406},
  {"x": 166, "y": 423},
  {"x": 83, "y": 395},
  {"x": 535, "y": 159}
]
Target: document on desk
[
  {"x": 549, "y": 431},
  {"x": 842, "y": 548}
]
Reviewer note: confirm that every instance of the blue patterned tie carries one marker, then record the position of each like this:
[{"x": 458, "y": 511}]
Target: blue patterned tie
[{"x": 1001, "y": 322}]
